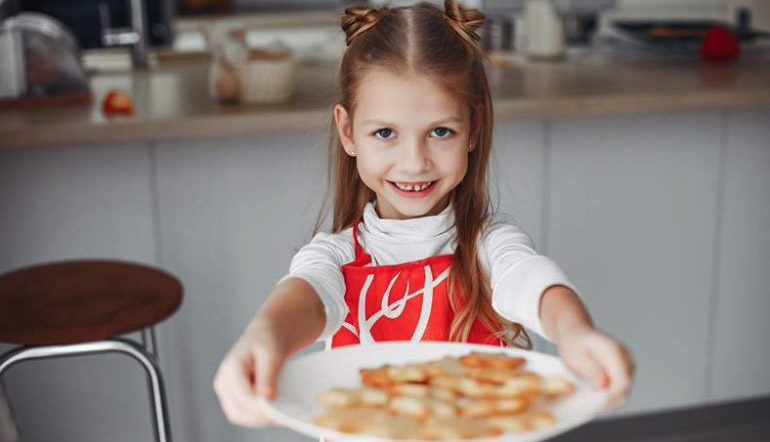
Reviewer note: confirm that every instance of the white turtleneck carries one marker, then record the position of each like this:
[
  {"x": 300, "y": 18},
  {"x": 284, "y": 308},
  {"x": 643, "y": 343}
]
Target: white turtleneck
[{"x": 518, "y": 274}]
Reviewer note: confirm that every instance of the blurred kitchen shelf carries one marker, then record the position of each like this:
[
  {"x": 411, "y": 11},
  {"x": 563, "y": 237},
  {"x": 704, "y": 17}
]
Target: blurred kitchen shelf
[
  {"x": 266, "y": 20},
  {"x": 172, "y": 100}
]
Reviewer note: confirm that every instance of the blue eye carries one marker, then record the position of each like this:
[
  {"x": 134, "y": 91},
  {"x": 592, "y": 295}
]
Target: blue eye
[
  {"x": 443, "y": 132},
  {"x": 380, "y": 131}
]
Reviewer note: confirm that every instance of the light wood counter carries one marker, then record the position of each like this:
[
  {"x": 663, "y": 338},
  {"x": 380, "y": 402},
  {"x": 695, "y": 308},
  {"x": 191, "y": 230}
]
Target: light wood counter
[{"x": 172, "y": 101}]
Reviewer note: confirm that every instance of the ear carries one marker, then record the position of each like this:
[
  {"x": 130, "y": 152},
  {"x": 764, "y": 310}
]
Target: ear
[{"x": 344, "y": 128}]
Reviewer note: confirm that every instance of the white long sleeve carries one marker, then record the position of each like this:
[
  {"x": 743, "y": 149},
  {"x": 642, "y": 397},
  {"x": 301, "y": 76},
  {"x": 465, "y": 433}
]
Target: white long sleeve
[
  {"x": 320, "y": 264},
  {"x": 518, "y": 275}
]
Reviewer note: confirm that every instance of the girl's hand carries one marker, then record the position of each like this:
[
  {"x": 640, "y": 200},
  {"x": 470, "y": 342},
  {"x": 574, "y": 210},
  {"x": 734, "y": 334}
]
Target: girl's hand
[
  {"x": 249, "y": 370},
  {"x": 601, "y": 360}
]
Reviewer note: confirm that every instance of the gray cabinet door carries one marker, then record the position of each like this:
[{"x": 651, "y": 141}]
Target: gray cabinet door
[
  {"x": 233, "y": 212},
  {"x": 632, "y": 222},
  {"x": 741, "y": 356}
]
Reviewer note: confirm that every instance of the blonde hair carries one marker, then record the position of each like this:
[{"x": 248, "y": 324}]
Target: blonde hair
[{"x": 443, "y": 45}]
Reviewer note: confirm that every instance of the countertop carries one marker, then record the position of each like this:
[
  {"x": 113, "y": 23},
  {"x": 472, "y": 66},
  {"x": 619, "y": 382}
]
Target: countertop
[{"x": 172, "y": 101}]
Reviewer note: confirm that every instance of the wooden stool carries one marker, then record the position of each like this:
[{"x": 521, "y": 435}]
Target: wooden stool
[{"x": 78, "y": 307}]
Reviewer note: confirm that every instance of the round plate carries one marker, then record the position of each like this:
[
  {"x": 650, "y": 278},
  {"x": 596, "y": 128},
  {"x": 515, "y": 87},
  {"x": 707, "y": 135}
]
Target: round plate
[{"x": 304, "y": 377}]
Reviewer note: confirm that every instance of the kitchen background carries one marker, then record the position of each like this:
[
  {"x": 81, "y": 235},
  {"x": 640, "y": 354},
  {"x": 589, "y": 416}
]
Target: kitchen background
[{"x": 639, "y": 164}]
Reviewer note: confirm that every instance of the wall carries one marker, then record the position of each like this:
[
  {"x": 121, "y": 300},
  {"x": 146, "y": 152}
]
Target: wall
[{"x": 660, "y": 220}]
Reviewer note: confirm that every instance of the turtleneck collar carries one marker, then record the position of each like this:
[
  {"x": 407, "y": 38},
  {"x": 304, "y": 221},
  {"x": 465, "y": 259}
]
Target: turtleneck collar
[{"x": 422, "y": 228}]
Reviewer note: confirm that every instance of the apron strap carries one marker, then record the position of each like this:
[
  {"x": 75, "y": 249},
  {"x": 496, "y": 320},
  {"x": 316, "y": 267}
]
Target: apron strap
[{"x": 359, "y": 250}]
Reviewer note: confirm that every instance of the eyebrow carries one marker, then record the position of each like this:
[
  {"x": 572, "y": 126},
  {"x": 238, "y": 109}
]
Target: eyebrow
[{"x": 385, "y": 123}]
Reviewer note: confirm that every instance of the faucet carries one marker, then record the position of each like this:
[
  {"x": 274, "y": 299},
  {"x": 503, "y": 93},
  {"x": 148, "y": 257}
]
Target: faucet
[{"x": 134, "y": 36}]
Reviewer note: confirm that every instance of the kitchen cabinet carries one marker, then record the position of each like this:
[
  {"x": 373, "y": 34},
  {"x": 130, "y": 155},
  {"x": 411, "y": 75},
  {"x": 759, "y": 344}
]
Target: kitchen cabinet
[
  {"x": 740, "y": 356},
  {"x": 633, "y": 213}
]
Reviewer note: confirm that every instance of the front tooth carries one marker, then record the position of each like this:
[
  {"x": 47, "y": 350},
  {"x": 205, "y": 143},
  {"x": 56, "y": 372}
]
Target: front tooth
[{"x": 413, "y": 188}]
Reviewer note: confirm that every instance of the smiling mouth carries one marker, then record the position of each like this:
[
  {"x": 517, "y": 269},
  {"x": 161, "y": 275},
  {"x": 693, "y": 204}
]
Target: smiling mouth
[{"x": 412, "y": 186}]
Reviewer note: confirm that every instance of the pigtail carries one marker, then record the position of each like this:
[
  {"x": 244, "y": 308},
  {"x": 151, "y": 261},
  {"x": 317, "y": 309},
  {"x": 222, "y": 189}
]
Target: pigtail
[
  {"x": 464, "y": 22},
  {"x": 358, "y": 19}
]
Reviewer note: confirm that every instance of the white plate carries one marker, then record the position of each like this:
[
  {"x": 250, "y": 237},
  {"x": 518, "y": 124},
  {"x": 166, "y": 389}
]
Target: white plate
[{"x": 304, "y": 377}]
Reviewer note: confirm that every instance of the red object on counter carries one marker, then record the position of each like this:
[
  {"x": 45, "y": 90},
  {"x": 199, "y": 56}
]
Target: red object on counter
[
  {"x": 117, "y": 102},
  {"x": 719, "y": 44}
]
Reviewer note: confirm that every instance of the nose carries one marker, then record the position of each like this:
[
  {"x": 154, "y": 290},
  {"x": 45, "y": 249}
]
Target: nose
[{"x": 414, "y": 157}]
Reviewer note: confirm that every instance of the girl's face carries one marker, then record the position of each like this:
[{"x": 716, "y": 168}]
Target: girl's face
[{"x": 410, "y": 140}]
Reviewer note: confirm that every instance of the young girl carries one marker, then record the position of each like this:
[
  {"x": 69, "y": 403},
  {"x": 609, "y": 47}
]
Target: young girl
[{"x": 415, "y": 253}]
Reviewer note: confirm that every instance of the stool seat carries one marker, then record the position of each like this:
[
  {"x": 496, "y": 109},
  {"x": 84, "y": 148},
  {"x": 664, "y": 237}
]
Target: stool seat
[{"x": 83, "y": 300}]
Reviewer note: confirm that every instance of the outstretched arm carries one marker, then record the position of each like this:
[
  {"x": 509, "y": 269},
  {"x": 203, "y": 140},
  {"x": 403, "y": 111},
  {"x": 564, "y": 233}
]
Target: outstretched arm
[
  {"x": 595, "y": 356},
  {"x": 291, "y": 318}
]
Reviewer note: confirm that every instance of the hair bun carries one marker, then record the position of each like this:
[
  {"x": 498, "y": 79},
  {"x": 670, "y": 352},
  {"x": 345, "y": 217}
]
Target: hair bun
[
  {"x": 357, "y": 19},
  {"x": 464, "y": 20}
]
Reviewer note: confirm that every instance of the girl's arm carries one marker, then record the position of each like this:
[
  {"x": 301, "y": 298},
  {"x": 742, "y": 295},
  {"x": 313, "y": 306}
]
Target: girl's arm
[
  {"x": 595, "y": 356},
  {"x": 561, "y": 311},
  {"x": 294, "y": 311},
  {"x": 291, "y": 318}
]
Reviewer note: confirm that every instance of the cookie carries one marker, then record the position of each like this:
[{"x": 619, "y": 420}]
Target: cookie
[
  {"x": 527, "y": 384},
  {"x": 422, "y": 390},
  {"x": 348, "y": 397},
  {"x": 351, "y": 420},
  {"x": 422, "y": 407},
  {"x": 408, "y": 373},
  {"x": 556, "y": 388},
  {"x": 443, "y": 394},
  {"x": 491, "y": 375},
  {"x": 447, "y": 365},
  {"x": 376, "y": 377},
  {"x": 337, "y": 397},
  {"x": 459, "y": 428},
  {"x": 447, "y": 382},
  {"x": 394, "y": 427},
  {"x": 527, "y": 421},
  {"x": 492, "y": 360},
  {"x": 494, "y": 407},
  {"x": 413, "y": 390}
]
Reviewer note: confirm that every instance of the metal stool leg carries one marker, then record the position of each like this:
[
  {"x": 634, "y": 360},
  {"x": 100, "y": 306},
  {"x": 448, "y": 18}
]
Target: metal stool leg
[{"x": 162, "y": 429}]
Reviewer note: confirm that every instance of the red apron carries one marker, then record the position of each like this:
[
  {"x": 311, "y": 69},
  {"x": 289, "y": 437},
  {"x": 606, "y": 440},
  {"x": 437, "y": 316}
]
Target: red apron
[{"x": 407, "y": 302}]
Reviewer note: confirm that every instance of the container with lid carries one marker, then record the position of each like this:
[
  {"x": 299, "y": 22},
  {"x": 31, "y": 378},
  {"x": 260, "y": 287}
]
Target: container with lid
[{"x": 40, "y": 57}]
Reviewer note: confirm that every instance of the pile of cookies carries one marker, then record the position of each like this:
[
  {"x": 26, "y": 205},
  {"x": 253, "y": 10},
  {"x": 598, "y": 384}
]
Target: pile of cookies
[{"x": 471, "y": 396}]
